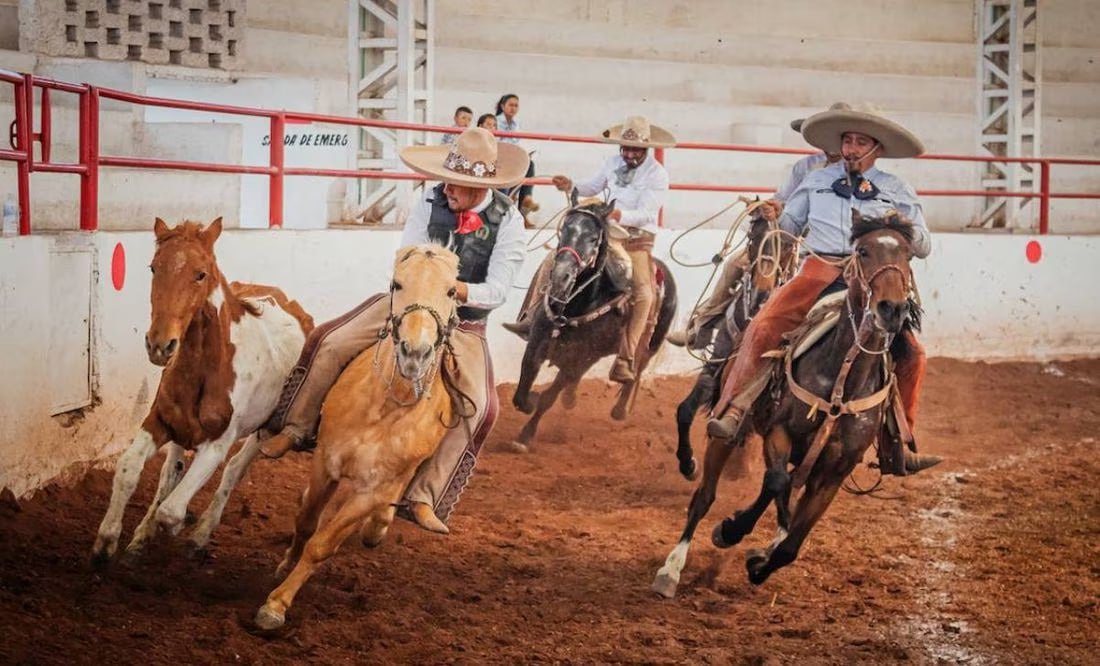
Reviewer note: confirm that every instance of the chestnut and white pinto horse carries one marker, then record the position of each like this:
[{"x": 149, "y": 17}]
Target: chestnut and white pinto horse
[{"x": 226, "y": 349}]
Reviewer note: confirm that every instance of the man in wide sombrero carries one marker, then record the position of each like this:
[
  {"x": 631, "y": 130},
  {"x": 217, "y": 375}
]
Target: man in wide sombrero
[
  {"x": 637, "y": 183},
  {"x": 821, "y": 209},
  {"x": 466, "y": 213}
]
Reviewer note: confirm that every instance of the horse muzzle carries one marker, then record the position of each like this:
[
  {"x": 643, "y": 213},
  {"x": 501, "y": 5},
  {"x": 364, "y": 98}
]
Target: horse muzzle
[
  {"x": 890, "y": 316},
  {"x": 160, "y": 353},
  {"x": 415, "y": 363}
]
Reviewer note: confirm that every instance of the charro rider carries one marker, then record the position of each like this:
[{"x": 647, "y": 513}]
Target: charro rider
[
  {"x": 822, "y": 207},
  {"x": 637, "y": 183},
  {"x": 707, "y": 314},
  {"x": 485, "y": 230}
]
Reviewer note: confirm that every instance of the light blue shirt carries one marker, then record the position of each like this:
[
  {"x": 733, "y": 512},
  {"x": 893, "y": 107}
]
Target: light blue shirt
[
  {"x": 798, "y": 172},
  {"x": 504, "y": 125},
  {"x": 827, "y": 218}
]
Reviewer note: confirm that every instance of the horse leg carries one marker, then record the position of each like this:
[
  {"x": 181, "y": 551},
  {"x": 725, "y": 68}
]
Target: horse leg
[
  {"x": 231, "y": 476},
  {"x": 171, "y": 512},
  {"x": 320, "y": 547},
  {"x": 314, "y": 499},
  {"x": 546, "y": 401},
  {"x": 685, "y": 414},
  {"x": 668, "y": 577},
  {"x": 776, "y": 486},
  {"x": 170, "y": 474},
  {"x": 569, "y": 396},
  {"x": 820, "y": 490},
  {"x": 524, "y": 399},
  {"x": 126, "y": 477}
]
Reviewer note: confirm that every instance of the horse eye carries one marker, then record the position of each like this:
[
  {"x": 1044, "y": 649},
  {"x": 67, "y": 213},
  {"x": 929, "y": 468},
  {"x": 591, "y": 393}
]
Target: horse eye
[
  {"x": 452, "y": 292},
  {"x": 151, "y": 269},
  {"x": 862, "y": 252},
  {"x": 395, "y": 286},
  {"x": 200, "y": 277}
]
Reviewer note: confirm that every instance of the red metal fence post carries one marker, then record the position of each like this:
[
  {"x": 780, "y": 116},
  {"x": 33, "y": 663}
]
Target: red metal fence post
[
  {"x": 23, "y": 118},
  {"x": 1044, "y": 197},
  {"x": 89, "y": 159},
  {"x": 275, "y": 190},
  {"x": 659, "y": 155}
]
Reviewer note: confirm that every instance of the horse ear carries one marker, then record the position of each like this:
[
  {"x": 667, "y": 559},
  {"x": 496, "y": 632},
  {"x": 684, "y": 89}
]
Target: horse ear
[
  {"x": 573, "y": 198},
  {"x": 610, "y": 206},
  {"x": 159, "y": 228},
  {"x": 856, "y": 217},
  {"x": 212, "y": 231}
]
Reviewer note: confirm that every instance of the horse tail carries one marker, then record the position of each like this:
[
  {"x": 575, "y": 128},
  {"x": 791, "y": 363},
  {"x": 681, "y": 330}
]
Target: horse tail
[{"x": 667, "y": 314}]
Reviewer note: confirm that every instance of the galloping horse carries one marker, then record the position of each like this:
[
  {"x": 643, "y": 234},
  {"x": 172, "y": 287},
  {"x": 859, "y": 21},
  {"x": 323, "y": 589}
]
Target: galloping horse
[
  {"x": 385, "y": 415},
  {"x": 849, "y": 364},
  {"x": 226, "y": 349},
  {"x": 581, "y": 319},
  {"x": 770, "y": 263}
]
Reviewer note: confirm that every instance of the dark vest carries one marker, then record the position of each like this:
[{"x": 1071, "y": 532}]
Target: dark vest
[{"x": 473, "y": 249}]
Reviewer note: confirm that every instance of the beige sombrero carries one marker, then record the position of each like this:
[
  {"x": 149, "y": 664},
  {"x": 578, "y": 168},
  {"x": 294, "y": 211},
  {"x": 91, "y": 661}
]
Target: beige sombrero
[
  {"x": 824, "y": 130},
  {"x": 474, "y": 159},
  {"x": 636, "y": 132},
  {"x": 796, "y": 124}
]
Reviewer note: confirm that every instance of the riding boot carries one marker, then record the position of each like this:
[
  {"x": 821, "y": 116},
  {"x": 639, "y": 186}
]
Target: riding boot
[
  {"x": 622, "y": 371},
  {"x": 915, "y": 462},
  {"x": 279, "y": 444},
  {"x": 521, "y": 328},
  {"x": 424, "y": 517},
  {"x": 725, "y": 427}
]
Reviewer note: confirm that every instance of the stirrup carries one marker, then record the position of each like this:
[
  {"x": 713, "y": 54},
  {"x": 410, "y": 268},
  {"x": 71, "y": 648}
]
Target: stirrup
[{"x": 726, "y": 426}]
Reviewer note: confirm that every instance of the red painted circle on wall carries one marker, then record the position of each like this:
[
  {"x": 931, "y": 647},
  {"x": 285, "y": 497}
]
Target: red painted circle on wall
[
  {"x": 118, "y": 267},
  {"x": 1034, "y": 251}
]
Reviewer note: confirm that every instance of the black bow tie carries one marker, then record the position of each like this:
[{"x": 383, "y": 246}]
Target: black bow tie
[{"x": 855, "y": 185}]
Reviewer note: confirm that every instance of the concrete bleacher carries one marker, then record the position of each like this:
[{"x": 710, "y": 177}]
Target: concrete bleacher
[{"x": 738, "y": 72}]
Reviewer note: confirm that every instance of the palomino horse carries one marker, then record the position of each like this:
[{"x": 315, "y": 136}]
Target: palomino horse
[
  {"x": 385, "y": 415},
  {"x": 226, "y": 349},
  {"x": 771, "y": 261},
  {"x": 849, "y": 364},
  {"x": 581, "y": 319}
]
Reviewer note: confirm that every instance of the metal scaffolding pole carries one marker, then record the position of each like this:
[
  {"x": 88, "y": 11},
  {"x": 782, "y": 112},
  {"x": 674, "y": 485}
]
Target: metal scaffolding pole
[
  {"x": 1009, "y": 86},
  {"x": 394, "y": 68}
]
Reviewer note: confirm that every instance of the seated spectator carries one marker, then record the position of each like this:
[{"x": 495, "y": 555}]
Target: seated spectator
[
  {"x": 463, "y": 116},
  {"x": 507, "y": 108},
  {"x": 488, "y": 121}
]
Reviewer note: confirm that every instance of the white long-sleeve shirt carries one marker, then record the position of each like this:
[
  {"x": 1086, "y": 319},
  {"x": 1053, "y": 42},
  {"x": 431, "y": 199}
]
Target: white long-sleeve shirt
[
  {"x": 640, "y": 199},
  {"x": 504, "y": 263}
]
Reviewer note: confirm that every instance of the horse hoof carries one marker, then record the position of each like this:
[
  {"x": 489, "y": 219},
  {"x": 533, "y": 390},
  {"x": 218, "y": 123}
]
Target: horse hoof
[
  {"x": 690, "y": 469},
  {"x": 268, "y": 619},
  {"x": 100, "y": 559},
  {"x": 665, "y": 585},
  {"x": 517, "y": 447},
  {"x": 619, "y": 413},
  {"x": 756, "y": 561},
  {"x": 719, "y": 539}
]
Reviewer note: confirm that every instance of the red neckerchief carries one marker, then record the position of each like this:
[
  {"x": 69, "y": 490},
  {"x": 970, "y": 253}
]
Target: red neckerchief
[{"x": 468, "y": 222}]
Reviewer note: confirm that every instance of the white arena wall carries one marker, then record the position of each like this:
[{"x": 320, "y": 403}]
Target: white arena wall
[{"x": 69, "y": 334}]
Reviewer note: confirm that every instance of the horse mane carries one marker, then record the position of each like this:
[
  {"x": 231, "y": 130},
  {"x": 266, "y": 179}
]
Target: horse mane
[{"x": 891, "y": 222}]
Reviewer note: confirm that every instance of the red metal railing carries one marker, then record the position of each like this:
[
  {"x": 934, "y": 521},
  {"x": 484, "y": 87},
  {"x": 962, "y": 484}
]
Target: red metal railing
[{"x": 22, "y": 139}]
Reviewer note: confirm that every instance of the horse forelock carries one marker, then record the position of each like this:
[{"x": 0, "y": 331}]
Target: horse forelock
[{"x": 186, "y": 230}]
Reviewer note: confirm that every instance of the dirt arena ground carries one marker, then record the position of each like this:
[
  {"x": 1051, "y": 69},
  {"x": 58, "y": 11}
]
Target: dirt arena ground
[{"x": 992, "y": 557}]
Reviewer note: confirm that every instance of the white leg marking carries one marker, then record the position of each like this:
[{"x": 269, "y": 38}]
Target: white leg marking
[
  {"x": 209, "y": 456},
  {"x": 780, "y": 535},
  {"x": 170, "y": 474},
  {"x": 675, "y": 562},
  {"x": 126, "y": 477},
  {"x": 231, "y": 476}
]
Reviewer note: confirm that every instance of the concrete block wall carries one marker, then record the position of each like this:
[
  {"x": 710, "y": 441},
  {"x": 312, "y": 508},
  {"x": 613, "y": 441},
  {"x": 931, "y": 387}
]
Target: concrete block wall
[
  {"x": 736, "y": 71},
  {"x": 192, "y": 33}
]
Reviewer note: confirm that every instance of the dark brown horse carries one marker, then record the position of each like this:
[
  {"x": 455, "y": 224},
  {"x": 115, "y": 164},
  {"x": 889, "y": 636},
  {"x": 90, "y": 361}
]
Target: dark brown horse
[
  {"x": 581, "y": 318},
  {"x": 771, "y": 262},
  {"x": 848, "y": 371}
]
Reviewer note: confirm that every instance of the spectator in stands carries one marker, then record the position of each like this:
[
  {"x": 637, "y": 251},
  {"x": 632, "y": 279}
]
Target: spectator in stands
[
  {"x": 463, "y": 116},
  {"x": 709, "y": 313},
  {"x": 488, "y": 121},
  {"x": 507, "y": 108}
]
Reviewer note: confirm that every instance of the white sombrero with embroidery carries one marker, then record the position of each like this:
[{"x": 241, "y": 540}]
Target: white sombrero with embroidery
[
  {"x": 826, "y": 129},
  {"x": 474, "y": 159},
  {"x": 637, "y": 132}
]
